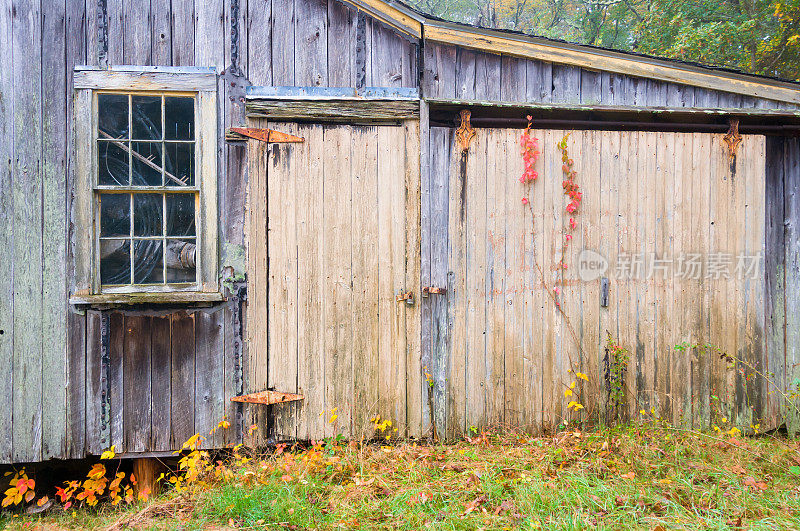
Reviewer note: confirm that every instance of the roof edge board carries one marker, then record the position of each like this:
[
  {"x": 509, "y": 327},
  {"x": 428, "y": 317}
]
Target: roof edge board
[
  {"x": 609, "y": 60},
  {"x": 396, "y": 16}
]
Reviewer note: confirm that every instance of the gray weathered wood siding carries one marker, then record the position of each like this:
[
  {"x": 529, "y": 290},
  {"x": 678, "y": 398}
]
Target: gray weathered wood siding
[{"x": 451, "y": 72}]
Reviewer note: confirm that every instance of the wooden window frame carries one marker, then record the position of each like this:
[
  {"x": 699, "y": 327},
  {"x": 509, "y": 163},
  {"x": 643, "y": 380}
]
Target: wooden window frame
[{"x": 201, "y": 83}]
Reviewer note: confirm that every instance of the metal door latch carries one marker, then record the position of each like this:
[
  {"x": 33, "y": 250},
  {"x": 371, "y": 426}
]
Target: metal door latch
[
  {"x": 428, "y": 290},
  {"x": 407, "y": 296}
]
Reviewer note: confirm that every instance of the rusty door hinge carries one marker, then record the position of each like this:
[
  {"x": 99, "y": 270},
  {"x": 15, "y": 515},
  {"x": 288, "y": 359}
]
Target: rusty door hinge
[
  {"x": 465, "y": 132},
  {"x": 407, "y": 296},
  {"x": 267, "y": 397},
  {"x": 428, "y": 290},
  {"x": 733, "y": 138},
  {"x": 264, "y": 135}
]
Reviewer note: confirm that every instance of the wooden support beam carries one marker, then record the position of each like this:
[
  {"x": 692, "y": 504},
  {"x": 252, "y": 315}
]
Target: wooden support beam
[
  {"x": 267, "y": 397},
  {"x": 146, "y": 471},
  {"x": 335, "y": 110},
  {"x": 265, "y": 135}
]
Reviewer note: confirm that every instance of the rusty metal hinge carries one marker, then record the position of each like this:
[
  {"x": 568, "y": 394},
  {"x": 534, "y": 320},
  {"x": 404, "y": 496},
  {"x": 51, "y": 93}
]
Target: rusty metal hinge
[
  {"x": 264, "y": 135},
  {"x": 407, "y": 296},
  {"x": 428, "y": 290},
  {"x": 267, "y": 397},
  {"x": 465, "y": 132},
  {"x": 733, "y": 138}
]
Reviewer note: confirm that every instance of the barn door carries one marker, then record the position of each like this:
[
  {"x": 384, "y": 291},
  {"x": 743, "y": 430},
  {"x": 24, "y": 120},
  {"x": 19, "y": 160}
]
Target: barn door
[
  {"x": 333, "y": 254},
  {"x": 667, "y": 248}
]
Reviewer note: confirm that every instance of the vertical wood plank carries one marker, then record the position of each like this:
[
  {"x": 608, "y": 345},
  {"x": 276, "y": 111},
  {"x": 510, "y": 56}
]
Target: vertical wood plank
[
  {"x": 160, "y": 383},
  {"x": 311, "y": 195},
  {"x": 538, "y": 81},
  {"x": 209, "y": 372},
  {"x": 76, "y": 391},
  {"x": 283, "y": 43},
  {"x": 792, "y": 265},
  {"x": 116, "y": 374},
  {"x": 414, "y": 378},
  {"x": 259, "y": 48},
  {"x": 487, "y": 77},
  {"x": 591, "y": 86},
  {"x": 439, "y": 79},
  {"x": 96, "y": 424},
  {"x": 566, "y": 84},
  {"x": 7, "y": 158},
  {"x": 311, "y": 43},
  {"x": 136, "y": 363},
  {"x": 337, "y": 279},
  {"x": 426, "y": 303},
  {"x": 182, "y": 392},
  {"x": 27, "y": 219},
  {"x": 182, "y": 32},
  {"x": 513, "y": 72},
  {"x": 54, "y": 230},
  {"x": 476, "y": 258},
  {"x": 465, "y": 74},
  {"x": 341, "y": 45},
  {"x": 115, "y": 24},
  {"x": 161, "y": 34},
  {"x": 136, "y": 33},
  {"x": 386, "y": 56}
]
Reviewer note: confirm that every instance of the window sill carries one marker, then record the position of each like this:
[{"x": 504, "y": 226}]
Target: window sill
[{"x": 147, "y": 298}]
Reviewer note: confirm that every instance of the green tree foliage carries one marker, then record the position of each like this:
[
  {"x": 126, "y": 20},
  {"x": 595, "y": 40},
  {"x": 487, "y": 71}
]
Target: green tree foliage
[{"x": 758, "y": 36}]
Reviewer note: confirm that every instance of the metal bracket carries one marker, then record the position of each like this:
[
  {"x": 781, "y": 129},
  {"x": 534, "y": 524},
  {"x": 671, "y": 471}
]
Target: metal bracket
[
  {"x": 264, "y": 135},
  {"x": 267, "y": 397},
  {"x": 407, "y": 296},
  {"x": 465, "y": 132},
  {"x": 428, "y": 290},
  {"x": 733, "y": 138}
]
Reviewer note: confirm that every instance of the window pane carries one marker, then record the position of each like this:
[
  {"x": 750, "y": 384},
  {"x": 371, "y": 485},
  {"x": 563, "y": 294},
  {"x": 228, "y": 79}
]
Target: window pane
[
  {"x": 115, "y": 215},
  {"x": 148, "y": 264},
  {"x": 180, "y": 215},
  {"x": 112, "y": 163},
  {"x": 115, "y": 262},
  {"x": 180, "y": 258},
  {"x": 179, "y": 159},
  {"x": 147, "y": 217},
  {"x": 178, "y": 118},
  {"x": 112, "y": 116},
  {"x": 146, "y": 163},
  {"x": 146, "y": 117}
]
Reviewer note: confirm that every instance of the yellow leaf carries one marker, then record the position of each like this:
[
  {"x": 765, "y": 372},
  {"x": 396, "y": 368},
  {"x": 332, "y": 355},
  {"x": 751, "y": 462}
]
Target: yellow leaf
[
  {"x": 108, "y": 454},
  {"x": 582, "y": 376},
  {"x": 572, "y": 385},
  {"x": 567, "y": 392}
]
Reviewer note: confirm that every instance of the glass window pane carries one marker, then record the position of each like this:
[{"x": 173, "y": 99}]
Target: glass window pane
[
  {"x": 146, "y": 163},
  {"x": 112, "y": 163},
  {"x": 147, "y": 216},
  {"x": 148, "y": 263},
  {"x": 178, "y": 118},
  {"x": 115, "y": 262},
  {"x": 180, "y": 259},
  {"x": 146, "y": 117},
  {"x": 180, "y": 215},
  {"x": 112, "y": 116},
  {"x": 115, "y": 215},
  {"x": 179, "y": 159}
]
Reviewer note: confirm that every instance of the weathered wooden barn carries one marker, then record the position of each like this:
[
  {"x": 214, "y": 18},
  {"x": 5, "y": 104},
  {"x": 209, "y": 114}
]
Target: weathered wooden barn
[{"x": 158, "y": 263}]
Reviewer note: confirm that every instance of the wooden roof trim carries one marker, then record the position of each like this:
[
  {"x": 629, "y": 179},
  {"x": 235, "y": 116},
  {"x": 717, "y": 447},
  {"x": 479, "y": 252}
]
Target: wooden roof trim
[
  {"x": 609, "y": 60},
  {"x": 418, "y": 26},
  {"x": 394, "y": 15}
]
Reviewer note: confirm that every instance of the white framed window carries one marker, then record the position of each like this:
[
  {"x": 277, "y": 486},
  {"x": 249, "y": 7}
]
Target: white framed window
[{"x": 145, "y": 211}]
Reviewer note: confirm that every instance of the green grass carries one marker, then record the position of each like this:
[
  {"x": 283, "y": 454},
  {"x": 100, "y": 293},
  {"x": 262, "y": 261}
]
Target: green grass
[{"x": 630, "y": 477}]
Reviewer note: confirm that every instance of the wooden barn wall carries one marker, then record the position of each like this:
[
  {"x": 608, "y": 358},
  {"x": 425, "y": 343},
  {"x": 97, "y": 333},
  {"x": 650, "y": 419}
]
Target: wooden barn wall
[
  {"x": 304, "y": 42},
  {"x": 337, "y": 242},
  {"x": 453, "y": 72},
  {"x": 502, "y": 353}
]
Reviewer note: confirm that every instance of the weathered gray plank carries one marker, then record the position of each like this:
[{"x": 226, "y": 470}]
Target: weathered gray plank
[
  {"x": 358, "y": 110},
  {"x": 136, "y": 33},
  {"x": 283, "y": 39},
  {"x": 54, "y": 230},
  {"x": 116, "y": 380},
  {"x": 680, "y": 95},
  {"x": 311, "y": 43},
  {"x": 439, "y": 77},
  {"x": 160, "y": 378},
  {"x": 513, "y": 72},
  {"x": 114, "y": 31},
  {"x": 566, "y": 84},
  {"x": 6, "y": 227},
  {"x": 487, "y": 77},
  {"x": 232, "y": 358},
  {"x": 465, "y": 74},
  {"x": 96, "y": 384},
  {"x": 183, "y": 373},
  {"x": 387, "y": 57},
  {"x": 137, "y": 354},
  {"x": 208, "y": 376},
  {"x": 182, "y": 32},
  {"x": 76, "y": 390},
  {"x": 439, "y": 277},
  {"x": 27, "y": 220},
  {"x": 791, "y": 171},
  {"x": 538, "y": 81},
  {"x": 426, "y": 310},
  {"x": 160, "y": 32},
  {"x": 341, "y": 45},
  {"x": 591, "y": 86},
  {"x": 774, "y": 276}
]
